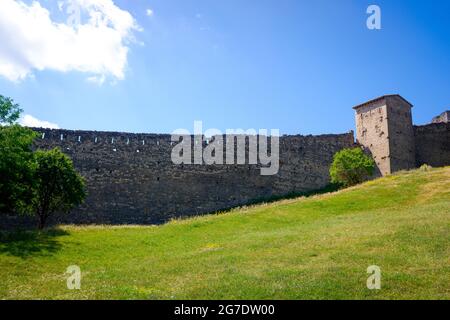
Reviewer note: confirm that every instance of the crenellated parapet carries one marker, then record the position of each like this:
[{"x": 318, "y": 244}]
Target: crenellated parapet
[{"x": 131, "y": 178}]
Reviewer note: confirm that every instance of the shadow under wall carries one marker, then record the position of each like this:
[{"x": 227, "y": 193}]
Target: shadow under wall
[{"x": 22, "y": 225}]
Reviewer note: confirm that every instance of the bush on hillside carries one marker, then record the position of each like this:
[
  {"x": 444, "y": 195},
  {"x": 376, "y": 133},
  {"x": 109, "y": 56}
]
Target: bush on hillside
[{"x": 350, "y": 167}]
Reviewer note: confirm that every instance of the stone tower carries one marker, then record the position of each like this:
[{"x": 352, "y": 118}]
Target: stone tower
[{"x": 384, "y": 126}]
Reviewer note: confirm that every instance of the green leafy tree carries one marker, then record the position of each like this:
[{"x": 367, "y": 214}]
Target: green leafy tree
[
  {"x": 350, "y": 167},
  {"x": 43, "y": 182},
  {"x": 9, "y": 111},
  {"x": 57, "y": 186},
  {"x": 15, "y": 159},
  {"x": 16, "y": 167}
]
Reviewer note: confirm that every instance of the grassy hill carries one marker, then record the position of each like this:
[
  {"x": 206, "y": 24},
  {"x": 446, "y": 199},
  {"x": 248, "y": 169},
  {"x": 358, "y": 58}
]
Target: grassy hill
[{"x": 307, "y": 248}]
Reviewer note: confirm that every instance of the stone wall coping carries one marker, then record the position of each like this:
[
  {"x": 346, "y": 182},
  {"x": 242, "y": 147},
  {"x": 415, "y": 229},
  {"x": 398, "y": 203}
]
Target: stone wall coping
[{"x": 381, "y": 98}]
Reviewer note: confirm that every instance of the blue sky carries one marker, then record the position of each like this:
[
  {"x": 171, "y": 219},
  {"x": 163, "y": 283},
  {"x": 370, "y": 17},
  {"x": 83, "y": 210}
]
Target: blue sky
[{"x": 297, "y": 66}]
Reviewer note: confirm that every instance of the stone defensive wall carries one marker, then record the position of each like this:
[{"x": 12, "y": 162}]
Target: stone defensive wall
[
  {"x": 131, "y": 178},
  {"x": 433, "y": 144}
]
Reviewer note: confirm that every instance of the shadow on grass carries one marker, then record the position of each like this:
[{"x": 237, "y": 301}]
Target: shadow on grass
[
  {"x": 26, "y": 244},
  {"x": 328, "y": 189}
]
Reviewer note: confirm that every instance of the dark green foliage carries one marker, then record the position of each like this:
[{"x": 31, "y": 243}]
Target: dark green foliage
[
  {"x": 350, "y": 167},
  {"x": 16, "y": 167},
  {"x": 9, "y": 111},
  {"x": 58, "y": 187},
  {"x": 43, "y": 182}
]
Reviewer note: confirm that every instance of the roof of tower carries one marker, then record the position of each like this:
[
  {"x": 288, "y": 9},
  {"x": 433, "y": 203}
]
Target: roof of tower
[{"x": 381, "y": 98}]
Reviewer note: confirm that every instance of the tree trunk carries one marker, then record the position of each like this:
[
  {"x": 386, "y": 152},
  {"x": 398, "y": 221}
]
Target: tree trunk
[{"x": 42, "y": 219}]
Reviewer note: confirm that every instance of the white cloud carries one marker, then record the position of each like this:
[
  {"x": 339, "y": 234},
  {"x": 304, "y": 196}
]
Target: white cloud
[
  {"x": 31, "y": 40},
  {"x": 99, "y": 80},
  {"x": 30, "y": 121},
  {"x": 149, "y": 12}
]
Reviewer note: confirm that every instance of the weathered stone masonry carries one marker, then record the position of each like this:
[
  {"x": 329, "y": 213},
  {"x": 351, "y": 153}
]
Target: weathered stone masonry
[
  {"x": 432, "y": 144},
  {"x": 384, "y": 127},
  {"x": 131, "y": 178}
]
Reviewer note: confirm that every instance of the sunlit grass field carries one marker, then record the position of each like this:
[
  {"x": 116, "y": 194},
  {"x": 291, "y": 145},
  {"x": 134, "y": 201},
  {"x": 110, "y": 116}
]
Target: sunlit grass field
[{"x": 307, "y": 248}]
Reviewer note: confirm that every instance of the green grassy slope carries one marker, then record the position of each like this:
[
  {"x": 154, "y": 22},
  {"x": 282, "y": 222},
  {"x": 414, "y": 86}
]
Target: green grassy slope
[{"x": 318, "y": 247}]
